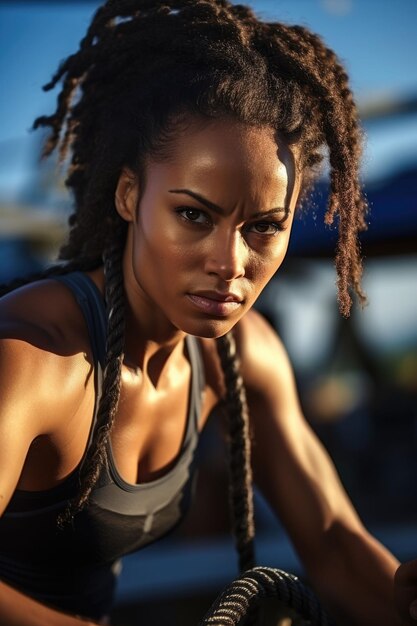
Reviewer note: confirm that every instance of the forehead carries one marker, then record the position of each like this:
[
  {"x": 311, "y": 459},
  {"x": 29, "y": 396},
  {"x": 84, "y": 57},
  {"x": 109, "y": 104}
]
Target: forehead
[{"x": 228, "y": 158}]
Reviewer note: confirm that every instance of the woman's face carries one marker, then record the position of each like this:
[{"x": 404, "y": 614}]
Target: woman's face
[{"x": 211, "y": 226}]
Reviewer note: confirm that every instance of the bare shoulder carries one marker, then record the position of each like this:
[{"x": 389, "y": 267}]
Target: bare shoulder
[
  {"x": 44, "y": 314},
  {"x": 44, "y": 379},
  {"x": 265, "y": 364},
  {"x": 44, "y": 348}
]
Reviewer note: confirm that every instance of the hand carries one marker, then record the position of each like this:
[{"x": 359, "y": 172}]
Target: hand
[{"x": 405, "y": 592}]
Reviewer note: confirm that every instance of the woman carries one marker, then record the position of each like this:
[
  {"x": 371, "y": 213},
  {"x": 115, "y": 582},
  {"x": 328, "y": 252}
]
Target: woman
[{"x": 193, "y": 130}]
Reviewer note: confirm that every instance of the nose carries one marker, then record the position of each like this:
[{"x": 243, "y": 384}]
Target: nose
[{"x": 227, "y": 256}]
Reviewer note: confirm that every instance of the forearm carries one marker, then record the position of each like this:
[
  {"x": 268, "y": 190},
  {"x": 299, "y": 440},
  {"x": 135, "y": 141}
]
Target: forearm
[
  {"x": 17, "y": 609},
  {"x": 354, "y": 578}
]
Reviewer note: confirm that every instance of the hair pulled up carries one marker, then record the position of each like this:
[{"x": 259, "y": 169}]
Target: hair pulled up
[
  {"x": 143, "y": 64},
  {"x": 143, "y": 67}
]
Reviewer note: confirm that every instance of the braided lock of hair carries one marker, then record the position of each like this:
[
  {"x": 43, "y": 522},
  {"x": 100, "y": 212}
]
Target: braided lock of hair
[
  {"x": 318, "y": 69},
  {"x": 240, "y": 471},
  {"x": 115, "y": 304}
]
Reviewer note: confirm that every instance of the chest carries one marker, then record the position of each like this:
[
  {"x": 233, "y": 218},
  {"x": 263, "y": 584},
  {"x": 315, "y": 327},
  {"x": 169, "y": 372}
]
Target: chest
[
  {"x": 149, "y": 430},
  {"x": 153, "y": 422},
  {"x": 151, "y": 425}
]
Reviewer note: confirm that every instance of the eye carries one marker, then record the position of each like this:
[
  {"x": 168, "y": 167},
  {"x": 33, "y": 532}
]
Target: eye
[
  {"x": 266, "y": 228},
  {"x": 193, "y": 215}
]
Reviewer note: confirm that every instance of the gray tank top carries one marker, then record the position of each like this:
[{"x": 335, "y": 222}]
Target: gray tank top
[{"x": 73, "y": 568}]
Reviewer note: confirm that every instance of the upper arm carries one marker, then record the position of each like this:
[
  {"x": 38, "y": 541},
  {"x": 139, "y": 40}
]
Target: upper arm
[
  {"x": 45, "y": 368},
  {"x": 40, "y": 391},
  {"x": 19, "y": 380},
  {"x": 290, "y": 464}
]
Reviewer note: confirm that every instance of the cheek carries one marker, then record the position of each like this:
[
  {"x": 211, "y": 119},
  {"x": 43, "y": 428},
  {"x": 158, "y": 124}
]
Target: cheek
[
  {"x": 261, "y": 270},
  {"x": 263, "y": 266},
  {"x": 158, "y": 252}
]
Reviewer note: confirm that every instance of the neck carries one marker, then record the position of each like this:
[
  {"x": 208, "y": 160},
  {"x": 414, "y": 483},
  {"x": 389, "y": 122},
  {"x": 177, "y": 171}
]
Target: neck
[
  {"x": 148, "y": 331},
  {"x": 151, "y": 340},
  {"x": 145, "y": 345},
  {"x": 151, "y": 359}
]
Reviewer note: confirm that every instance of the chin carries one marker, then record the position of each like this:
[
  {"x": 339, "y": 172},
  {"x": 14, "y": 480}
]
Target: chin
[{"x": 209, "y": 329}]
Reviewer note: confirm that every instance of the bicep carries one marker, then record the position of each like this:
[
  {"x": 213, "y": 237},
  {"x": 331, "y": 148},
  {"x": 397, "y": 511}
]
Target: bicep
[
  {"x": 39, "y": 391},
  {"x": 13, "y": 450},
  {"x": 297, "y": 477},
  {"x": 291, "y": 466},
  {"x": 18, "y": 427}
]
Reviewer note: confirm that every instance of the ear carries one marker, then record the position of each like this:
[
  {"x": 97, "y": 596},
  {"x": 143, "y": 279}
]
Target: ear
[{"x": 126, "y": 196}]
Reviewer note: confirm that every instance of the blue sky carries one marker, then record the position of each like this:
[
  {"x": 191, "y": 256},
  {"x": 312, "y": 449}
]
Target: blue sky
[{"x": 376, "y": 39}]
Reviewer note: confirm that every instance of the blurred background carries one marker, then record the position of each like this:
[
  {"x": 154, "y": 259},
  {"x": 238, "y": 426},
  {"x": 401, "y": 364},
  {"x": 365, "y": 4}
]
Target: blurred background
[{"x": 357, "y": 377}]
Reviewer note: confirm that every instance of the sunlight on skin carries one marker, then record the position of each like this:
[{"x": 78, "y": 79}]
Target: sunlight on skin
[{"x": 227, "y": 241}]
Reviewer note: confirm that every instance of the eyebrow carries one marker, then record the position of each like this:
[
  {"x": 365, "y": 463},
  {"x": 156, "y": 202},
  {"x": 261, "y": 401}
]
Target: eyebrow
[{"x": 216, "y": 209}]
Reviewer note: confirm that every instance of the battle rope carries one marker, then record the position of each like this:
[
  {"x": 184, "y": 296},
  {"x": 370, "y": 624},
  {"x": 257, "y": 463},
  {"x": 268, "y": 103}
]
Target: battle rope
[{"x": 237, "y": 600}]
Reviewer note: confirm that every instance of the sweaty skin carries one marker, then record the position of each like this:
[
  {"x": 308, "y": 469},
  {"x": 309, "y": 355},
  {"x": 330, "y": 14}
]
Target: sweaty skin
[
  {"x": 205, "y": 235},
  {"x": 226, "y": 243}
]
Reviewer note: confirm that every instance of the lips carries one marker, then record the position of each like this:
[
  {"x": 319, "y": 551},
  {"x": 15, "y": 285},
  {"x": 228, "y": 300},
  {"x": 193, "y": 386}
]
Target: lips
[{"x": 216, "y": 303}]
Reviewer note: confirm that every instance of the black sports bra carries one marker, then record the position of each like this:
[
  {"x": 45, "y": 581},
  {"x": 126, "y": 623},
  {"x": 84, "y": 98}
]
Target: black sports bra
[{"x": 73, "y": 568}]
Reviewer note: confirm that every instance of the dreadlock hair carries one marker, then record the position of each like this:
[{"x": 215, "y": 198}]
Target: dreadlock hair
[{"x": 143, "y": 67}]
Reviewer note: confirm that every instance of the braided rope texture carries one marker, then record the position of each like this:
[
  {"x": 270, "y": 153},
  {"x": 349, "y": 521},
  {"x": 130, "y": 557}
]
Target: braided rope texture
[
  {"x": 240, "y": 471},
  {"x": 238, "y": 599}
]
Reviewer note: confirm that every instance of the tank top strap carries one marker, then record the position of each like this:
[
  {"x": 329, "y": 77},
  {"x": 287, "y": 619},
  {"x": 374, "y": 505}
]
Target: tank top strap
[{"x": 93, "y": 307}]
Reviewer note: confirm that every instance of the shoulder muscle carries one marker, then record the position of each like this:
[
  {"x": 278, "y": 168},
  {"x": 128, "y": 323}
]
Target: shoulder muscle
[
  {"x": 265, "y": 365},
  {"x": 24, "y": 411},
  {"x": 43, "y": 372}
]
